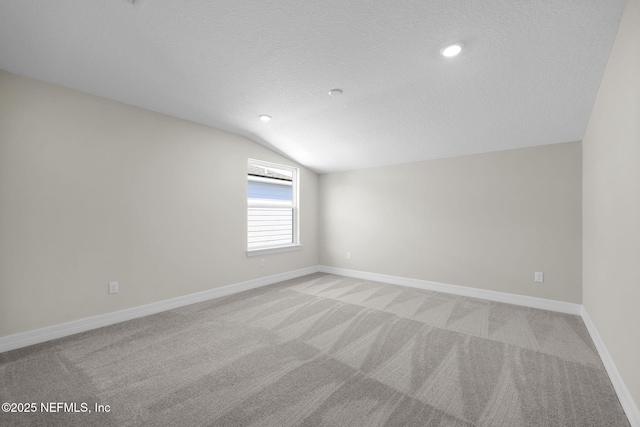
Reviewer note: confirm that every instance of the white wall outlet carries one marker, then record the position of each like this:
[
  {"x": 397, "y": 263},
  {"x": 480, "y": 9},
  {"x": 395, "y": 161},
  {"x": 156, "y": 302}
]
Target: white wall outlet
[
  {"x": 539, "y": 277},
  {"x": 261, "y": 262},
  {"x": 348, "y": 255},
  {"x": 113, "y": 287}
]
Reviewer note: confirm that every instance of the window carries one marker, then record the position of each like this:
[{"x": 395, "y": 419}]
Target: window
[{"x": 272, "y": 208}]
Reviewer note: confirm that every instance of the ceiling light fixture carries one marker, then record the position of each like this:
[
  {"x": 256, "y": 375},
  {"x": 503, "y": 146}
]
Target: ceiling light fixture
[
  {"x": 265, "y": 118},
  {"x": 335, "y": 92},
  {"x": 451, "y": 51}
]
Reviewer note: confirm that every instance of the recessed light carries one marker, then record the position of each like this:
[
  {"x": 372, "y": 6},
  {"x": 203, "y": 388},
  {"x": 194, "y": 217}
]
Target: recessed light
[
  {"x": 452, "y": 50},
  {"x": 265, "y": 118},
  {"x": 335, "y": 92}
]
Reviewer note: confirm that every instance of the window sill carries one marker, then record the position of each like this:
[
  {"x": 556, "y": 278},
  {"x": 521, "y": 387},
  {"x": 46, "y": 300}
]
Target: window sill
[{"x": 255, "y": 252}]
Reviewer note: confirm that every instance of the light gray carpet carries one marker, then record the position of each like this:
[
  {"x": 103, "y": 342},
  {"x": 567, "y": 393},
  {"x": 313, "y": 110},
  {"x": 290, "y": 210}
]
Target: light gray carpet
[{"x": 323, "y": 350}]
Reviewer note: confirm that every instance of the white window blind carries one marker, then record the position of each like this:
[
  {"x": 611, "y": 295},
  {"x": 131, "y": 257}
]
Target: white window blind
[{"x": 271, "y": 200}]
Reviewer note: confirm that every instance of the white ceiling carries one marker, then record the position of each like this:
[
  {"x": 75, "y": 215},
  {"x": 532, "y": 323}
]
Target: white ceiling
[{"x": 528, "y": 74}]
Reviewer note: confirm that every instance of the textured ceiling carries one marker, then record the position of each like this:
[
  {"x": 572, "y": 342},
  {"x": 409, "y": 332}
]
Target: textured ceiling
[{"x": 528, "y": 74}]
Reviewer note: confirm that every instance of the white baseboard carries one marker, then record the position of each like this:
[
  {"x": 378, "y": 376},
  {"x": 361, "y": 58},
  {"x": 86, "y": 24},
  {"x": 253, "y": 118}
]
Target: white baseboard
[
  {"x": 36, "y": 336},
  {"x": 23, "y": 339},
  {"x": 15, "y": 341},
  {"x": 541, "y": 303},
  {"x": 627, "y": 402}
]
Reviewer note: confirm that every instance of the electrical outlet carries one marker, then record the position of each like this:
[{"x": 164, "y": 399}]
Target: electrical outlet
[
  {"x": 348, "y": 255},
  {"x": 539, "y": 277},
  {"x": 261, "y": 262},
  {"x": 113, "y": 287}
]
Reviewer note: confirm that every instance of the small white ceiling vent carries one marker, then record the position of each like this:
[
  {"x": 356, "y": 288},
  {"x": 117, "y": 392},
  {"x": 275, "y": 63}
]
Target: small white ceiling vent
[{"x": 136, "y": 3}]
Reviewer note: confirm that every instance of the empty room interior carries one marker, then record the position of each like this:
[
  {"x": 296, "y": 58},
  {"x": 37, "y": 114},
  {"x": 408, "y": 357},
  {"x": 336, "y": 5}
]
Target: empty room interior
[{"x": 336, "y": 213}]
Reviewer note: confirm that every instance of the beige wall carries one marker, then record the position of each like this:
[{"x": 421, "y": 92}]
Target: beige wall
[
  {"x": 486, "y": 221},
  {"x": 611, "y": 204},
  {"x": 93, "y": 191}
]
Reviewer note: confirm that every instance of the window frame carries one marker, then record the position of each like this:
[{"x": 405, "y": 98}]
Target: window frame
[{"x": 279, "y": 247}]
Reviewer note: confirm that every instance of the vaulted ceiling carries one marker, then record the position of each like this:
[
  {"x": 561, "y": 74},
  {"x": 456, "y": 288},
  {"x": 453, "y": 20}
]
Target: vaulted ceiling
[{"x": 528, "y": 73}]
